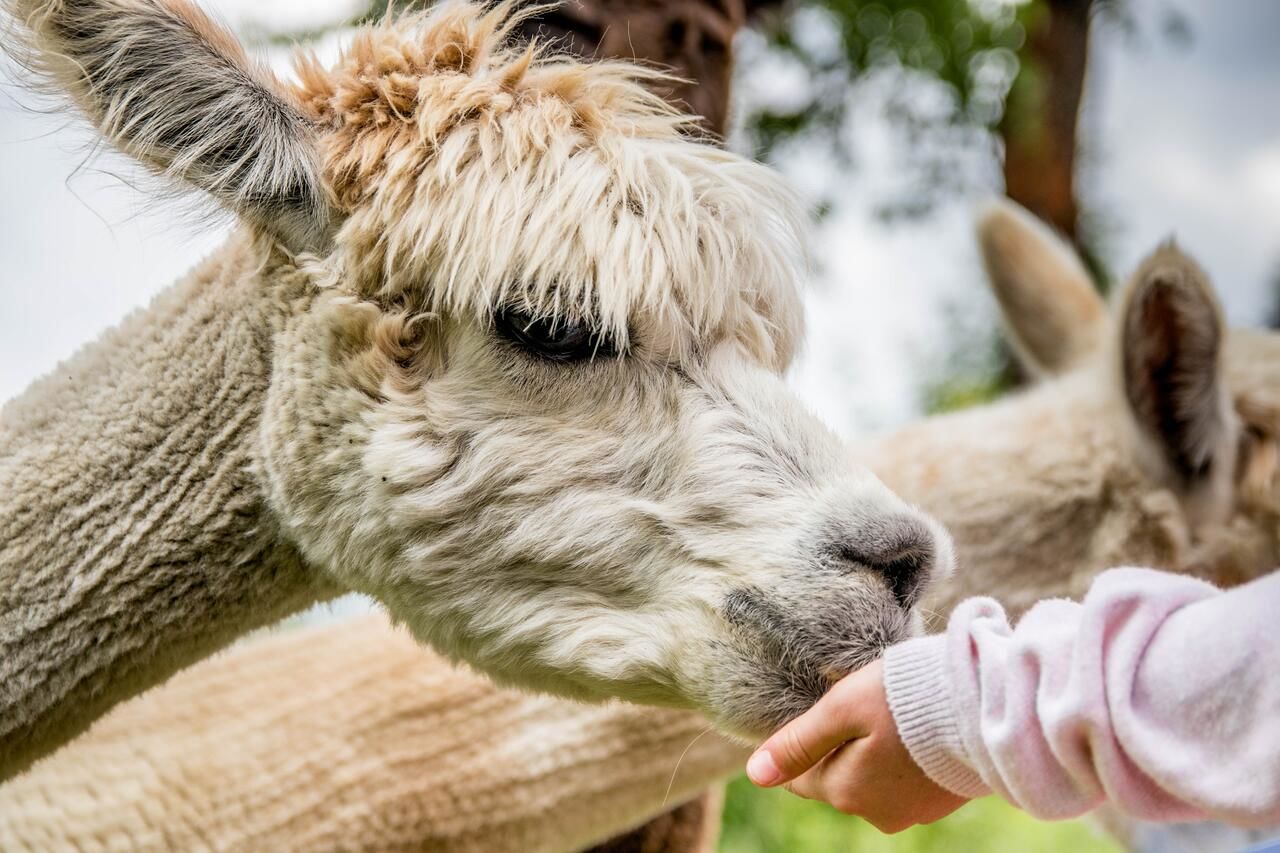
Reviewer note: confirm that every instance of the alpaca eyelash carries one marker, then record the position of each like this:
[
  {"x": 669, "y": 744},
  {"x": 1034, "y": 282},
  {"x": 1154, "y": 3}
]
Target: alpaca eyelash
[{"x": 552, "y": 338}]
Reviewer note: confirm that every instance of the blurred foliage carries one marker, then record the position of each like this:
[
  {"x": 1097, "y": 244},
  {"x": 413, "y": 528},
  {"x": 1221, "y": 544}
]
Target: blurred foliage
[
  {"x": 970, "y": 47},
  {"x": 975, "y": 366},
  {"x": 964, "y": 392},
  {"x": 947, "y": 67},
  {"x": 959, "y": 72},
  {"x": 774, "y": 821}
]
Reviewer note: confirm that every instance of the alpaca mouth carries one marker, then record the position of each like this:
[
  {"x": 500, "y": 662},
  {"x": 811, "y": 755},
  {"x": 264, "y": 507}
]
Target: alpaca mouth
[
  {"x": 820, "y": 637},
  {"x": 788, "y": 655}
]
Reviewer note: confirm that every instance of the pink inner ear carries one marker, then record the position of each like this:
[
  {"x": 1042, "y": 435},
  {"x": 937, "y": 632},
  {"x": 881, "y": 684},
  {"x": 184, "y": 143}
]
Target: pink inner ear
[{"x": 1172, "y": 338}]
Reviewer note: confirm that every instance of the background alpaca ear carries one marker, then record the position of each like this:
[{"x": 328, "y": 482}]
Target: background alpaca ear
[
  {"x": 1053, "y": 313},
  {"x": 166, "y": 85},
  {"x": 1172, "y": 333}
]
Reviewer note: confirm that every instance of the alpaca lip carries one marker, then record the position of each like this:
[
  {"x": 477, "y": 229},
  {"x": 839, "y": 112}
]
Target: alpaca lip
[
  {"x": 781, "y": 669},
  {"x": 815, "y": 650}
]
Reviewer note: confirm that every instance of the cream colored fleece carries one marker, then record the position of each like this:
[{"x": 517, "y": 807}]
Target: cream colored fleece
[{"x": 352, "y": 737}]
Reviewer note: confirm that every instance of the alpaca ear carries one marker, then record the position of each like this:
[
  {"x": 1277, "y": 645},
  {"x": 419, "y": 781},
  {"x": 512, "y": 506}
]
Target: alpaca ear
[
  {"x": 166, "y": 85},
  {"x": 1053, "y": 314},
  {"x": 1171, "y": 348}
]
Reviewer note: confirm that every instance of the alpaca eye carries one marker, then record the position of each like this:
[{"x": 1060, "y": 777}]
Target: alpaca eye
[{"x": 553, "y": 338}]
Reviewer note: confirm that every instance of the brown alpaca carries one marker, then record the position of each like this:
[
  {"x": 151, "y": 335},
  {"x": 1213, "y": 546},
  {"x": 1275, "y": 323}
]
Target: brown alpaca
[{"x": 349, "y": 736}]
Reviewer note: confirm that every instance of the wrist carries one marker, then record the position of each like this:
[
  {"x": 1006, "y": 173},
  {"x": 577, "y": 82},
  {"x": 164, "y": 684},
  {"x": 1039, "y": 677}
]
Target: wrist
[{"x": 920, "y": 699}]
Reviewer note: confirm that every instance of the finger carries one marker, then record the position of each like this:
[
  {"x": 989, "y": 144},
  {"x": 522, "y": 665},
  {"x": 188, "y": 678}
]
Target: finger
[
  {"x": 807, "y": 739},
  {"x": 839, "y": 779},
  {"x": 809, "y": 785}
]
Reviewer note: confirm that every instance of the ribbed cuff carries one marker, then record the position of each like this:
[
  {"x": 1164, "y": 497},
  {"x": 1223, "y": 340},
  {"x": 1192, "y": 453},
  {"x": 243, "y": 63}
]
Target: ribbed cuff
[{"x": 915, "y": 682}]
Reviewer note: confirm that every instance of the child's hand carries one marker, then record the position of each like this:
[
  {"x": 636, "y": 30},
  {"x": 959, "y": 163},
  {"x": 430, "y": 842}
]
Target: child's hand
[{"x": 845, "y": 750}]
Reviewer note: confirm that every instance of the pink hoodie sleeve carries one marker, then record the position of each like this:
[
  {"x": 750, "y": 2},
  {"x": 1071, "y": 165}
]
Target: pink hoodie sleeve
[{"x": 1158, "y": 692}]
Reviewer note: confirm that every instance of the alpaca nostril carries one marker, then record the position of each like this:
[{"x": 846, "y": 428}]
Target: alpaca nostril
[
  {"x": 902, "y": 551},
  {"x": 905, "y": 574}
]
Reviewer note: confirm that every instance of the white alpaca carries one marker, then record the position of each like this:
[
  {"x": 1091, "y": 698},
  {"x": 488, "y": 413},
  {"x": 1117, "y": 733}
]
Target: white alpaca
[
  {"x": 1150, "y": 438},
  {"x": 496, "y": 344},
  {"x": 350, "y": 735}
]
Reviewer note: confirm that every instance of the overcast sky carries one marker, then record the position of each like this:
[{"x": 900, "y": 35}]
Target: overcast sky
[
  {"x": 1182, "y": 139},
  {"x": 1190, "y": 144}
]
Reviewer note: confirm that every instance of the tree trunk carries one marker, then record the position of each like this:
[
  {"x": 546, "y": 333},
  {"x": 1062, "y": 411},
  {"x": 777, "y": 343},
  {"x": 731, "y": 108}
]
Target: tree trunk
[
  {"x": 1039, "y": 125},
  {"x": 692, "y": 39}
]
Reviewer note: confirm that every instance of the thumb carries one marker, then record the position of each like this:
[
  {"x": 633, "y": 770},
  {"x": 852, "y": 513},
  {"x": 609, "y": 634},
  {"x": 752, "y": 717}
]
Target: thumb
[{"x": 807, "y": 739}]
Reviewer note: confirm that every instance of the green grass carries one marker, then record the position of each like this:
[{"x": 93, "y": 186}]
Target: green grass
[{"x": 773, "y": 821}]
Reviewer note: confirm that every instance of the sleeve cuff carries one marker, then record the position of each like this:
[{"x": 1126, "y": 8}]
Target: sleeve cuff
[{"x": 919, "y": 694}]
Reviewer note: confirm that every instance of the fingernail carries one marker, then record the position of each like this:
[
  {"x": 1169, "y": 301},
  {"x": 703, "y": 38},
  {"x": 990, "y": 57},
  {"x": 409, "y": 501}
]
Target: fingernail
[{"x": 761, "y": 768}]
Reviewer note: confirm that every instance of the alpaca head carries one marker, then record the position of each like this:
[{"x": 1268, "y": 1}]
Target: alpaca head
[
  {"x": 527, "y": 384},
  {"x": 1150, "y": 437}
]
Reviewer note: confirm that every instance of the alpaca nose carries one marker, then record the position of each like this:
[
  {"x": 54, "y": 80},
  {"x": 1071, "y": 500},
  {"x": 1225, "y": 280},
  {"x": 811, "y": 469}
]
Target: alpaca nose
[{"x": 903, "y": 550}]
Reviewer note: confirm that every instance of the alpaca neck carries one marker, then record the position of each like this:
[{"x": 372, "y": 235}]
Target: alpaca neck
[
  {"x": 1055, "y": 454},
  {"x": 133, "y": 534}
]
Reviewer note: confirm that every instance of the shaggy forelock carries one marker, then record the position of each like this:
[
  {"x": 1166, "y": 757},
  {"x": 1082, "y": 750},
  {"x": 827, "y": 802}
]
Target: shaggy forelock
[{"x": 473, "y": 174}]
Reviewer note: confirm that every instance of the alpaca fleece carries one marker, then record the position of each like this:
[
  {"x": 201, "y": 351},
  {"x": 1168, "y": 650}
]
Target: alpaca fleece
[
  {"x": 352, "y": 737},
  {"x": 133, "y": 531}
]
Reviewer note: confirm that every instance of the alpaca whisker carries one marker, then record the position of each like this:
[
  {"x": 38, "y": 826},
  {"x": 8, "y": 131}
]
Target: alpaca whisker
[{"x": 672, "y": 781}]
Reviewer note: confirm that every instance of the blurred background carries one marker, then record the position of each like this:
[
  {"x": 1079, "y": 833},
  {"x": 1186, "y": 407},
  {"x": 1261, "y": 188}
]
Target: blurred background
[{"x": 1121, "y": 122}]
